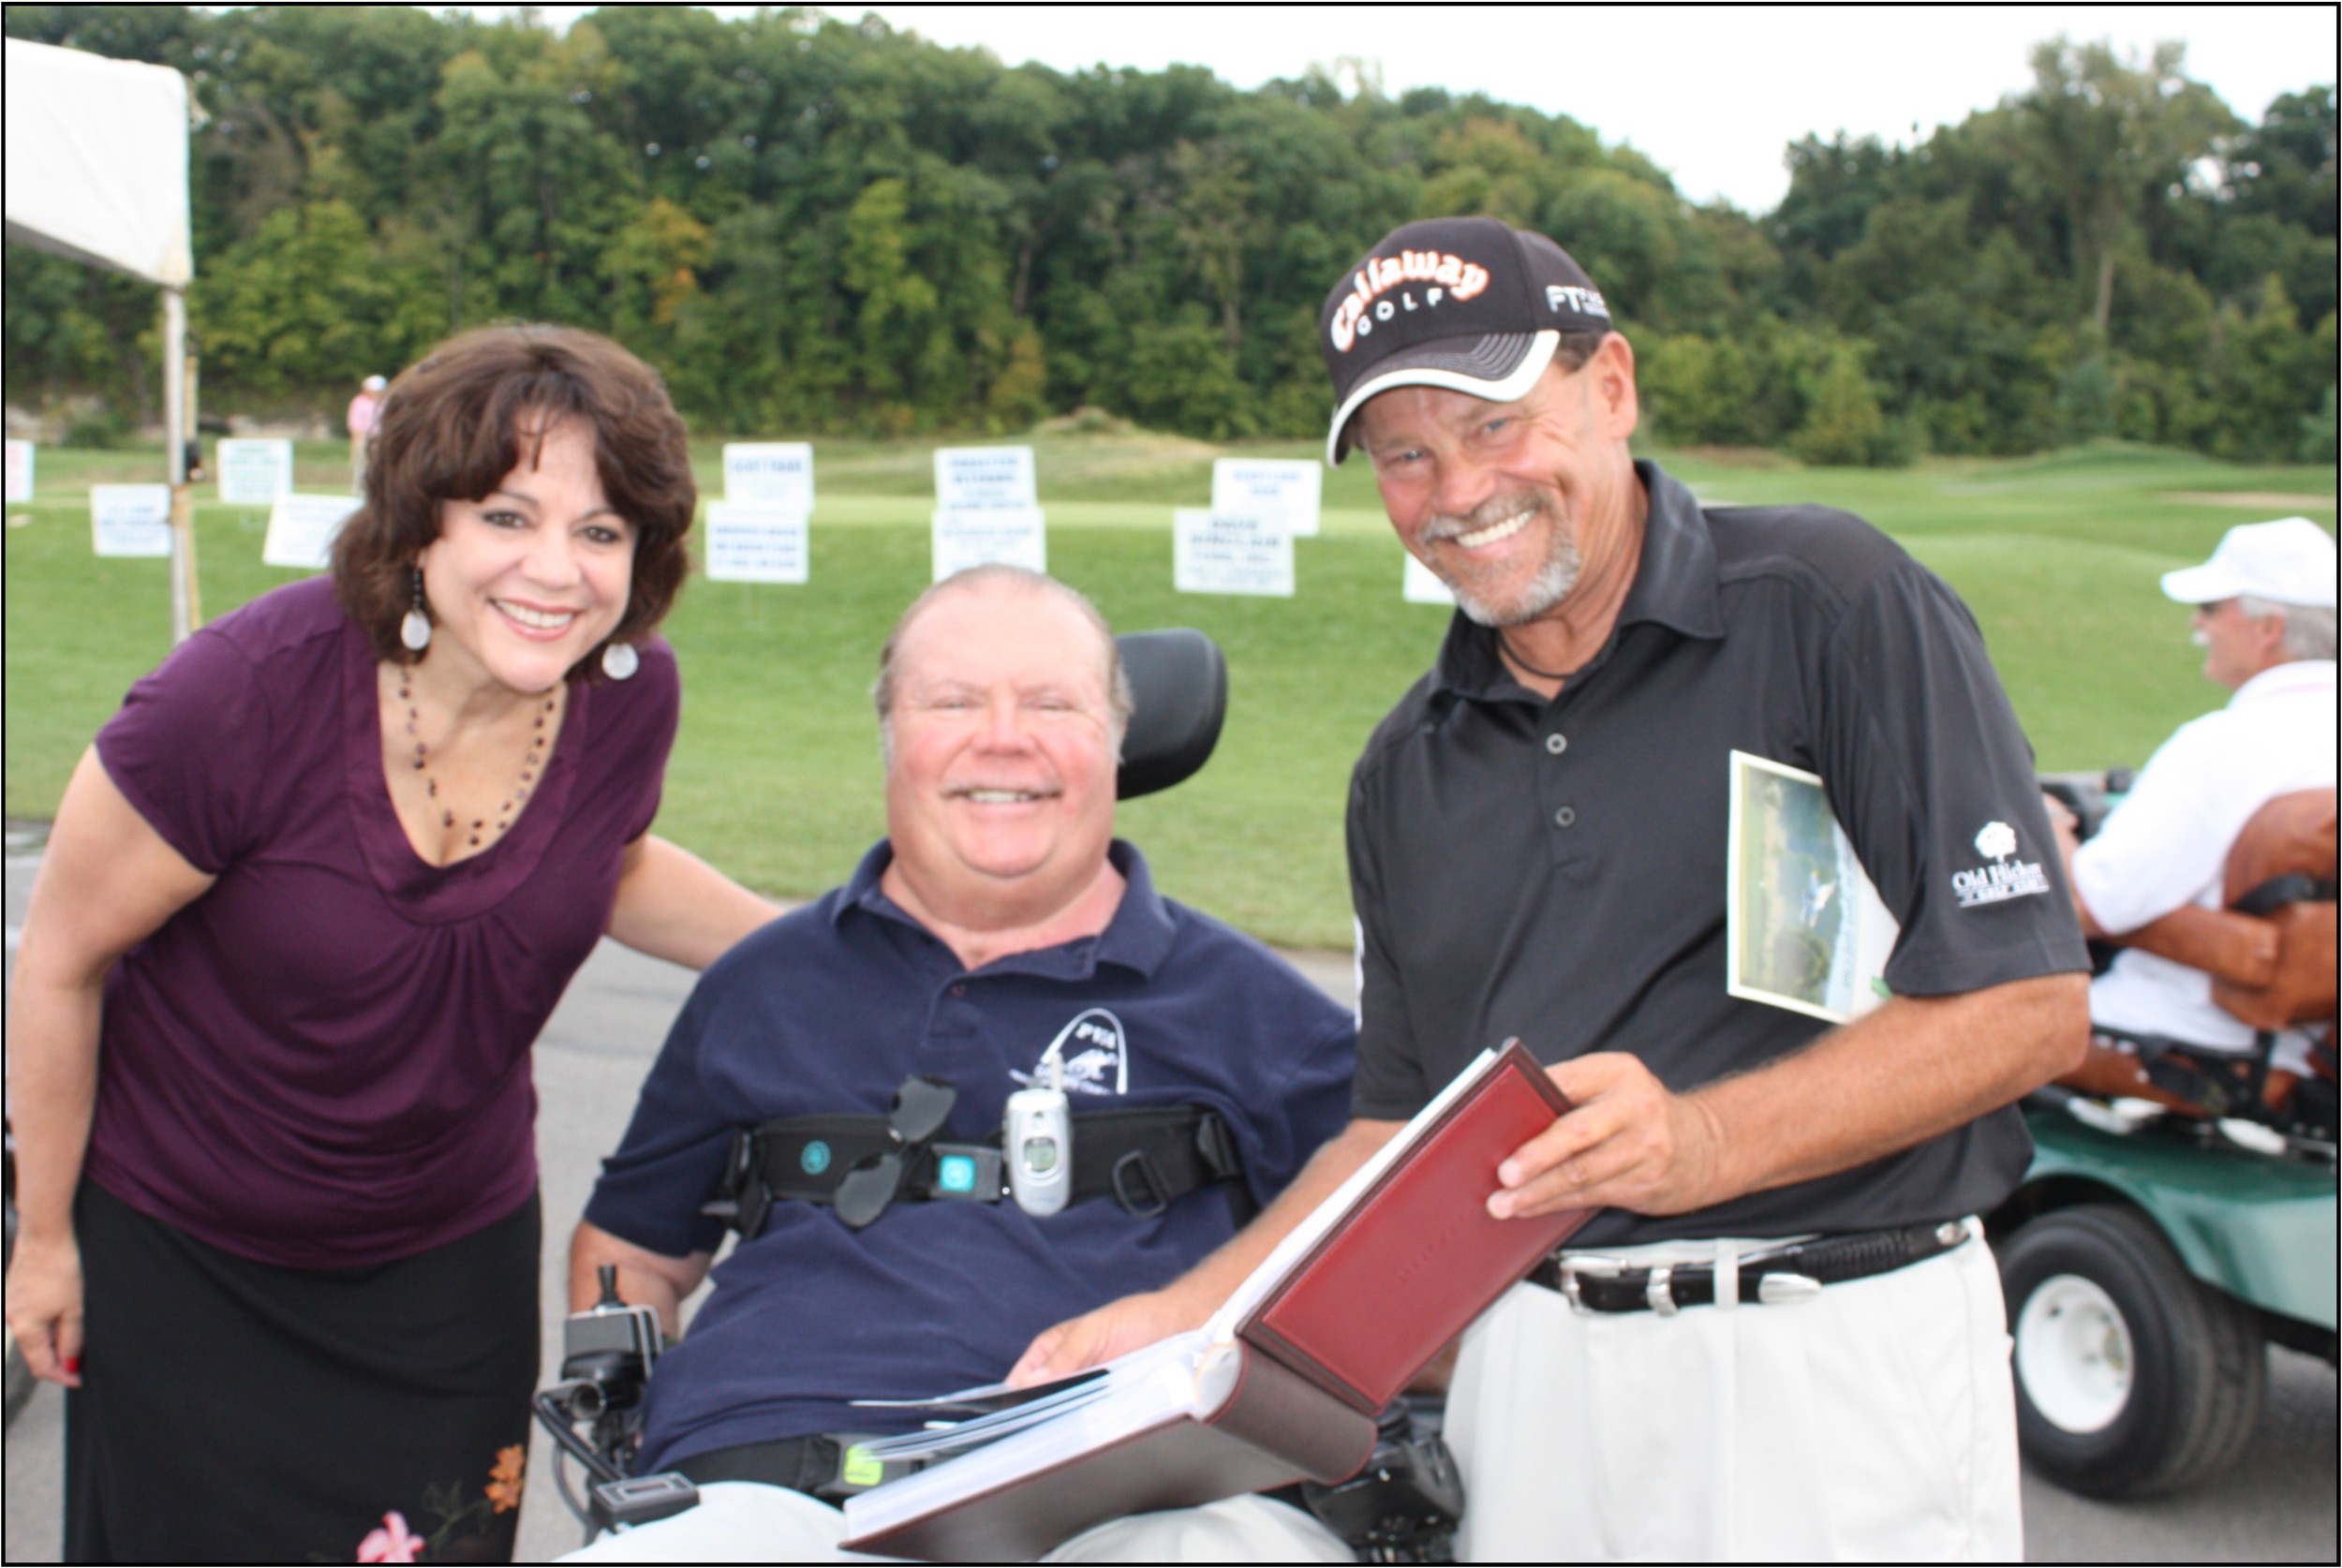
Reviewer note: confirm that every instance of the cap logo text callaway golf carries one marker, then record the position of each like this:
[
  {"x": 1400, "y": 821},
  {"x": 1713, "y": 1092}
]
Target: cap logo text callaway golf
[{"x": 1451, "y": 276}]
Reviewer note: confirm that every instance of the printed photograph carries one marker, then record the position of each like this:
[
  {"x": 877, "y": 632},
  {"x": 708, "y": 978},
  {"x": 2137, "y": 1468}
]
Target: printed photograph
[{"x": 1806, "y": 928}]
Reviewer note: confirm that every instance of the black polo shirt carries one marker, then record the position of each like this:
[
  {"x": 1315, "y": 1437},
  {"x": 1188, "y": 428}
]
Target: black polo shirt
[{"x": 1555, "y": 870}]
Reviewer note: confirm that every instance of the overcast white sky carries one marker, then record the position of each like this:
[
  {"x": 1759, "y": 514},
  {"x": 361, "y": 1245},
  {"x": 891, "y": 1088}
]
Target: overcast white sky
[{"x": 1712, "y": 94}]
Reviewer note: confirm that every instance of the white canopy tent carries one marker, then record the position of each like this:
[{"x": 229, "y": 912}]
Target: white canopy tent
[{"x": 97, "y": 170}]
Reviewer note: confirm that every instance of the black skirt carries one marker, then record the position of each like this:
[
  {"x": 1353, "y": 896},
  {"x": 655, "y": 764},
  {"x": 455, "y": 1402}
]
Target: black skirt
[{"x": 235, "y": 1411}]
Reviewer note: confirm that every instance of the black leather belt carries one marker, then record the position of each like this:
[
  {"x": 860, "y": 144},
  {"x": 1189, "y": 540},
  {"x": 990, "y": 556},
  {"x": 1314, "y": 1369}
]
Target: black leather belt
[{"x": 1771, "y": 1276}]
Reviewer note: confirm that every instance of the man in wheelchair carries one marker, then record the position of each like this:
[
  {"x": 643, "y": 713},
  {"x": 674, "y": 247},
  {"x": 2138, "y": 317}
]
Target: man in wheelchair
[
  {"x": 836, "y": 1088},
  {"x": 2215, "y": 876}
]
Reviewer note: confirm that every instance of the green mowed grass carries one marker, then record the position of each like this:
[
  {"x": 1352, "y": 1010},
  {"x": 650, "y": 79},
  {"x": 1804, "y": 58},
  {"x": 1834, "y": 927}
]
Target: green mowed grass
[{"x": 775, "y": 774}]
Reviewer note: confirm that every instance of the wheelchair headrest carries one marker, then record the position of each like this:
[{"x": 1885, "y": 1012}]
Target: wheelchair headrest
[{"x": 1179, "y": 695}]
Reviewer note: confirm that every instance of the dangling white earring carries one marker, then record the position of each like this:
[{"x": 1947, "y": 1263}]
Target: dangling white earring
[
  {"x": 414, "y": 628},
  {"x": 619, "y": 660}
]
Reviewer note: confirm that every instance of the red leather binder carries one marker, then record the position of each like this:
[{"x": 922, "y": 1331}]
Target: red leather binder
[
  {"x": 1422, "y": 1249},
  {"x": 1412, "y": 1259}
]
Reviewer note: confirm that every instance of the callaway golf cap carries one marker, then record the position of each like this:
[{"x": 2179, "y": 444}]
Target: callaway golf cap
[
  {"x": 2290, "y": 561},
  {"x": 1465, "y": 304}
]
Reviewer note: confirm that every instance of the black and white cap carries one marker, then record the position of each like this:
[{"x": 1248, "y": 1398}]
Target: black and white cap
[{"x": 1465, "y": 304}]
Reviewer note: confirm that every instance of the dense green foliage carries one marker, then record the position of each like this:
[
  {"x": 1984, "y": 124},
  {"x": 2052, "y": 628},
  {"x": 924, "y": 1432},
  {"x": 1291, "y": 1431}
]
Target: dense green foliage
[
  {"x": 814, "y": 226},
  {"x": 776, "y": 776}
]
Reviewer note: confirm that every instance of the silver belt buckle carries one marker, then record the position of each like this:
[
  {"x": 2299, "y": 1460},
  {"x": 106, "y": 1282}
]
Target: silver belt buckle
[
  {"x": 1603, "y": 1268},
  {"x": 1658, "y": 1292}
]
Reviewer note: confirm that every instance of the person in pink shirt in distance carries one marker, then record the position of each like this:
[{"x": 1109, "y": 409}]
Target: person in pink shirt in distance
[{"x": 365, "y": 409}]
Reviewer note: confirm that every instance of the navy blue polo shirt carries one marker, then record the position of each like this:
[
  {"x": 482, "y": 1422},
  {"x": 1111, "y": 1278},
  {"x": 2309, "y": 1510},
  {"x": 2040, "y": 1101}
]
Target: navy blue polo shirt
[
  {"x": 828, "y": 1009},
  {"x": 1555, "y": 869}
]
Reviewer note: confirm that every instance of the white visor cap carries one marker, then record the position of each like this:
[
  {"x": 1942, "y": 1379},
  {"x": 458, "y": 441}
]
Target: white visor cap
[{"x": 2290, "y": 561}]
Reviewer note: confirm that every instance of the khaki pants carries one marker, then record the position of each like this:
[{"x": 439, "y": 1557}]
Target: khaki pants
[{"x": 1872, "y": 1421}]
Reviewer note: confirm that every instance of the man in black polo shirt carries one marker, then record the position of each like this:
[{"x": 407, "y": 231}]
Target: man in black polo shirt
[{"x": 1538, "y": 841}]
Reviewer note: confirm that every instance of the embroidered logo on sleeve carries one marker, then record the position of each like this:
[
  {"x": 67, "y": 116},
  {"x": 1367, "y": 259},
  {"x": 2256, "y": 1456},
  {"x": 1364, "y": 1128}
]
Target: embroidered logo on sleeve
[{"x": 2005, "y": 878}]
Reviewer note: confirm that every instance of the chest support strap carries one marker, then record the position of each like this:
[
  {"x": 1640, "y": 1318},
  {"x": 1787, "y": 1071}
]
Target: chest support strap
[{"x": 1143, "y": 1158}]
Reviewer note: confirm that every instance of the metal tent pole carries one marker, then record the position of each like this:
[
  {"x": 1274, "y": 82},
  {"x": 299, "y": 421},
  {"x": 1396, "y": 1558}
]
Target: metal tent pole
[{"x": 186, "y": 610}]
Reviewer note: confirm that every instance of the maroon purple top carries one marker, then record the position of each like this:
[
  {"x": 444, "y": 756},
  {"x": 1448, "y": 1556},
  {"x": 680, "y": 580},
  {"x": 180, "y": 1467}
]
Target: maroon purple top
[{"x": 323, "y": 1061}]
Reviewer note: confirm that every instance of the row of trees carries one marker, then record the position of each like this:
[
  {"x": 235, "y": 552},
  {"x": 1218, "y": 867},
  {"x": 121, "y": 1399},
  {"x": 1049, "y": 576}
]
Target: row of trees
[
  {"x": 2112, "y": 253},
  {"x": 818, "y": 226}
]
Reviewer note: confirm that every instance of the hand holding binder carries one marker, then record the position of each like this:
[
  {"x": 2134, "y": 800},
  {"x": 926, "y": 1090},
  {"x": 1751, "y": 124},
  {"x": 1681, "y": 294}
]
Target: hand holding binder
[
  {"x": 1636, "y": 1144},
  {"x": 1282, "y": 1384}
]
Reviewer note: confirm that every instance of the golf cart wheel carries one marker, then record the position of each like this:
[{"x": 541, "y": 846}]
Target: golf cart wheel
[{"x": 2133, "y": 1377}]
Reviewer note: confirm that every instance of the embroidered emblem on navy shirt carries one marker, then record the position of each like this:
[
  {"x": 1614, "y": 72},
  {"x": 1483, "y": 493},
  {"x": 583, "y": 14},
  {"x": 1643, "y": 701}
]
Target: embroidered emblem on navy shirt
[{"x": 1095, "y": 1051}]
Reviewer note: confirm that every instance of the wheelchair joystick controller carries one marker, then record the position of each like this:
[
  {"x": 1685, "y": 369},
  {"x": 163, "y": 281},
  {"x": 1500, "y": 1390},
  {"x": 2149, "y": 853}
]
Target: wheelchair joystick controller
[{"x": 607, "y": 1353}]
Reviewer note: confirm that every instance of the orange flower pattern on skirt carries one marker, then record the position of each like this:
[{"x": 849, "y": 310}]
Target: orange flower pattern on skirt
[{"x": 508, "y": 1476}]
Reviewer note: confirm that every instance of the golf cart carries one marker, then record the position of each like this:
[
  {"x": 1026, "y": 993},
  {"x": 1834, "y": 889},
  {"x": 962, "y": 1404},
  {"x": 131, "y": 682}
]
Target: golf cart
[{"x": 2171, "y": 1225}]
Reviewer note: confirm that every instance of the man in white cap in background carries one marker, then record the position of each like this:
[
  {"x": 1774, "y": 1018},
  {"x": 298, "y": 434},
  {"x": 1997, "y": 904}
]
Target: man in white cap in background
[
  {"x": 365, "y": 409},
  {"x": 2265, "y": 619}
]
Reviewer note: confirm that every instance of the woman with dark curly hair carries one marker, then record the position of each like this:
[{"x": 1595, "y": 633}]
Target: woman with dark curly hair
[{"x": 307, "y": 901}]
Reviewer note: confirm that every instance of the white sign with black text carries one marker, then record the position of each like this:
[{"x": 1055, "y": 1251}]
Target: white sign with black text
[
  {"x": 772, "y": 474},
  {"x": 1422, "y": 585},
  {"x": 130, "y": 519},
  {"x": 300, "y": 529},
  {"x": 976, "y": 535},
  {"x": 1282, "y": 494},
  {"x": 1215, "y": 554},
  {"x": 253, "y": 473},
  {"x": 749, "y": 541},
  {"x": 19, "y": 471},
  {"x": 967, "y": 477}
]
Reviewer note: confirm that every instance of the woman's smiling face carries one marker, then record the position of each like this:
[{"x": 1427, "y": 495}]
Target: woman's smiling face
[{"x": 530, "y": 578}]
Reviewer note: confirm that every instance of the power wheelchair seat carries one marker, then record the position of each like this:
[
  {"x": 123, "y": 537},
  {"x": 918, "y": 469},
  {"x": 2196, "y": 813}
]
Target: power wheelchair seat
[
  {"x": 1179, "y": 682},
  {"x": 1402, "y": 1505}
]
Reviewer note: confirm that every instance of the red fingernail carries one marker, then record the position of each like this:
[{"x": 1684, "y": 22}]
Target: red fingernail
[{"x": 73, "y": 1366}]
